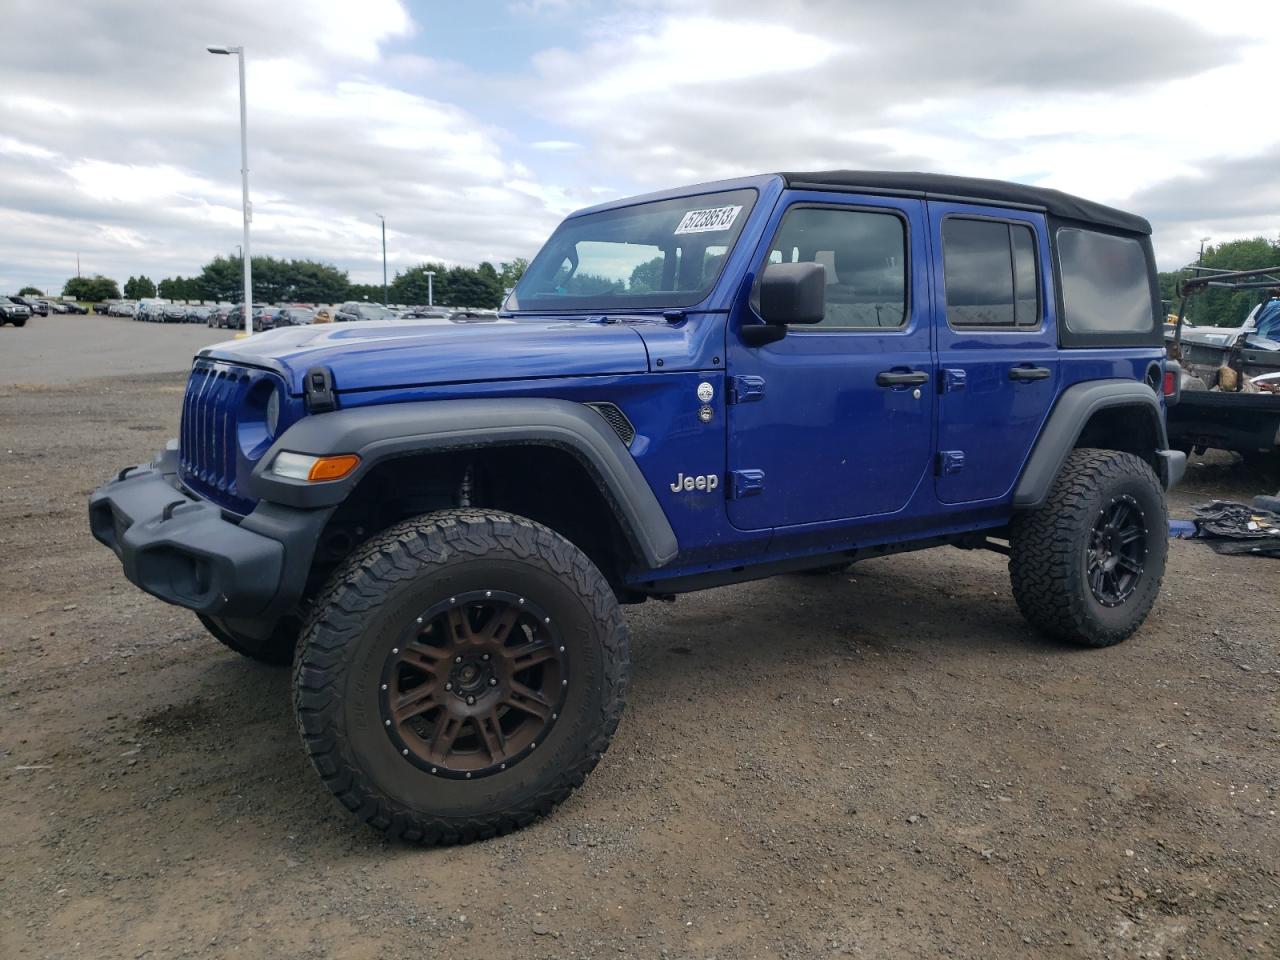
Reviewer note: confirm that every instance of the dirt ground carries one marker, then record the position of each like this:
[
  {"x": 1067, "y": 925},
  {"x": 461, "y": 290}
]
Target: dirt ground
[{"x": 886, "y": 764}]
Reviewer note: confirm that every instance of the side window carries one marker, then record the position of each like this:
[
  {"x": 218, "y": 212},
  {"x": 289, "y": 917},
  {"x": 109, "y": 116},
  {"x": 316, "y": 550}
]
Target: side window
[
  {"x": 865, "y": 256},
  {"x": 1105, "y": 284},
  {"x": 990, "y": 273}
]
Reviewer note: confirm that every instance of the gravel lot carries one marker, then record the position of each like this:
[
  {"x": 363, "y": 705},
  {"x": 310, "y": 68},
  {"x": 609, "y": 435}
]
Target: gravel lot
[
  {"x": 886, "y": 763},
  {"x": 62, "y": 349}
]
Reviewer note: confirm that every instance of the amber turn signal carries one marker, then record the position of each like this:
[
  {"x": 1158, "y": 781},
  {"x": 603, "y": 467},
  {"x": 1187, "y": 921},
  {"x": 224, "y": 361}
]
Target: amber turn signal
[
  {"x": 303, "y": 466},
  {"x": 333, "y": 468}
]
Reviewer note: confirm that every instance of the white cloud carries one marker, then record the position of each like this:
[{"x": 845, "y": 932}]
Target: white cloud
[{"x": 124, "y": 146}]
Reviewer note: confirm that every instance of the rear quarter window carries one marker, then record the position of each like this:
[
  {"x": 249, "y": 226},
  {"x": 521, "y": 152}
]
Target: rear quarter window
[{"x": 1105, "y": 284}]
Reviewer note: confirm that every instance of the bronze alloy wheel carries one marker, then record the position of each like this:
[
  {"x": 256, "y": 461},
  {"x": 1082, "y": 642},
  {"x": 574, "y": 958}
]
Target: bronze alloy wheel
[{"x": 474, "y": 684}]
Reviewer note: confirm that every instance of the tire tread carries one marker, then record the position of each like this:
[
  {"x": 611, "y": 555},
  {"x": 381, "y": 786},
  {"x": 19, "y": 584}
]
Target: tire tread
[
  {"x": 1044, "y": 543},
  {"x": 403, "y": 552}
]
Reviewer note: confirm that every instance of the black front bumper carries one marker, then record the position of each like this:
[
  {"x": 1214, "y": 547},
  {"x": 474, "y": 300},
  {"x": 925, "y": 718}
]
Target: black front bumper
[{"x": 186, "y": 551}]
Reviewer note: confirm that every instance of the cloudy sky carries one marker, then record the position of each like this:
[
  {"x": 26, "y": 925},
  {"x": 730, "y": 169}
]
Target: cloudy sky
[{"x": 474, "y": 126}]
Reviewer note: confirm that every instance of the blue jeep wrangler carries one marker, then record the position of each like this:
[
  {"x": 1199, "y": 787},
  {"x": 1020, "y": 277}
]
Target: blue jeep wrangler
[{"x": 437, "y": 522}]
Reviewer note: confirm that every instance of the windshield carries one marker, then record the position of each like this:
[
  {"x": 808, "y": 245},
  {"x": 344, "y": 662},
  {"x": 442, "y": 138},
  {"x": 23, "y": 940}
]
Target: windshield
[{"x": 665, "y": 253}]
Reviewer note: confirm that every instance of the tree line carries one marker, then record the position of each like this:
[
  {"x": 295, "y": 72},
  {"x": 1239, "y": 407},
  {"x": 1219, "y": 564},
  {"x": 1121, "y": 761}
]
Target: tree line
[
  {"x": 276, "y": 280},
  {"x": 1224, "y": 308}
]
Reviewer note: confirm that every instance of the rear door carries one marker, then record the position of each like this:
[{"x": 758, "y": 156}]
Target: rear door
[{"x": 996, "y": 337}]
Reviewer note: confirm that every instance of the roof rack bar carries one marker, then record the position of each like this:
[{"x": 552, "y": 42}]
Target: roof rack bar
[{"x": 1195, "y": 284}]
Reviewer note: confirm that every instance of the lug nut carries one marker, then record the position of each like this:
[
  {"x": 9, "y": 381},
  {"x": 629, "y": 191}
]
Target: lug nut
[
  {"x": 457, "y": 659},
  {"x": 493, "y": 681},
  {"x": 448, "y": 686},
  {"x": 471, "y": 700}
]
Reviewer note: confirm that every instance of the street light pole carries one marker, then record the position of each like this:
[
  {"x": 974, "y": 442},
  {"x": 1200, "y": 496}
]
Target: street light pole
[
  {"x": 431, "y": 275},
  {"x": 384, "y": 258},
  {"x": 246, "y": 209}
]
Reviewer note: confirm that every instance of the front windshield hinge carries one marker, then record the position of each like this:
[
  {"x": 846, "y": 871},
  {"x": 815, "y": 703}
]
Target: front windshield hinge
[{"x": 673, "y": 316}]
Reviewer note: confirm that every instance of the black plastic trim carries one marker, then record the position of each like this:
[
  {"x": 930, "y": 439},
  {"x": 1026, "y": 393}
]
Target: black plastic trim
[
  {"x": 186, "y": 552},
  {"x": 1077, "y": 404},
  {"x": 383, "y": 432}
]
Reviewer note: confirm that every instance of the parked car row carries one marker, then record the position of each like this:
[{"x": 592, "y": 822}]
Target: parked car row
[
  {"x": 156, "y": 311},
  {"x": 231, "y": 317},
  {"x": 44, "y": 306},
  {"x": 162, "y": 311},
  {"x": 264, "y": 317}
]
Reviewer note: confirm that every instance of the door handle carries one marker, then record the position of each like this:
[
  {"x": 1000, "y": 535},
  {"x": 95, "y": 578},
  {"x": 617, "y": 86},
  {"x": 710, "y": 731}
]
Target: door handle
[
  {"x": 1027, "y": 374},
  {"x": 894, "y": 378}
]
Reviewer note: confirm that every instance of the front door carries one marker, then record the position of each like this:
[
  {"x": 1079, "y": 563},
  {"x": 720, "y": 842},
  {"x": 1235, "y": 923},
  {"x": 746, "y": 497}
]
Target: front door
[
  {"x": 997, "y": 345},
  {"x": 835, "y": 420}
]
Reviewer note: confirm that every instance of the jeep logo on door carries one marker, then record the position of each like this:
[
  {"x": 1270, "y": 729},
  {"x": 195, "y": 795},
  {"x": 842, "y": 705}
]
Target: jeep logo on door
[{"x": 705, "y": 483}]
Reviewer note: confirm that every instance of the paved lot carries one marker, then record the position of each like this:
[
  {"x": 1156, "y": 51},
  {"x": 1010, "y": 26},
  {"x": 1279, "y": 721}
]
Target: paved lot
[
  {"x": 884, "y": 764},
  {"x": 62, "y": 349}
]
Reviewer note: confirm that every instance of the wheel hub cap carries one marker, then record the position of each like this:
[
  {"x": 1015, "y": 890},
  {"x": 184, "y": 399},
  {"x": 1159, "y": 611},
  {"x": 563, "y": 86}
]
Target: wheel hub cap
[
  {"x": 1117, "y": 551},
  {"x": 474, "y": 684}
]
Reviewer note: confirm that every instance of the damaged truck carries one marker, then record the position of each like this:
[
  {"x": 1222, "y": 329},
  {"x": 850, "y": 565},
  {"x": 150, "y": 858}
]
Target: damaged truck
[{"x": 1230, "y": 382}]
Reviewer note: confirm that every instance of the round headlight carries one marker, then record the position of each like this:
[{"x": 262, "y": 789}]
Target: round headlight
[{"x": 273, "y": 413}]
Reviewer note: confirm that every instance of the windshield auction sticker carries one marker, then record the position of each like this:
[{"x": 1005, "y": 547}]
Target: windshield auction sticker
[{"x": 706, "y": 221}]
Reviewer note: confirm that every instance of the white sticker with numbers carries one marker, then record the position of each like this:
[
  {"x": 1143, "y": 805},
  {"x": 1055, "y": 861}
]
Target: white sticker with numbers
[{"x": 707, "y": 221}]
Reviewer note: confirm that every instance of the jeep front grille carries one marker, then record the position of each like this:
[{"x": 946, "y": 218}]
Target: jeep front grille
[{"x": 208, "y": 446}]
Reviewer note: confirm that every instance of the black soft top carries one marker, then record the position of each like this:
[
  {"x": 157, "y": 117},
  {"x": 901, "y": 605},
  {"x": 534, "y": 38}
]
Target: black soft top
[{"x": 939, "y": 186}]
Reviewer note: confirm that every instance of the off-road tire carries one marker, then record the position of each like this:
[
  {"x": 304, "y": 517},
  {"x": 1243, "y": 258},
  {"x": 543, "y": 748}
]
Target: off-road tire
[
  {"x": 1050, "y": 549},
  {"x": 364, "y": 609},
  {"x": 276, "y": 650},
  {"x": 19, "y": 322}
]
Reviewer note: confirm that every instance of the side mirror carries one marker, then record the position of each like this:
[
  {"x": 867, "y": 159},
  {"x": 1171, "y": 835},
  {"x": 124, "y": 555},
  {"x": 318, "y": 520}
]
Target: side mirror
[{"x": 789, "y": 293}]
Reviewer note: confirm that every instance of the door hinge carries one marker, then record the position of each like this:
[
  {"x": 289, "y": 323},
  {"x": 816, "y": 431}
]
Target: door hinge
[
  {"x": 950, "y": 461},
  {"x": 745, "y": 483},
  {"x": 745, "y": 389},
  {"x": 953, "y": 379}
]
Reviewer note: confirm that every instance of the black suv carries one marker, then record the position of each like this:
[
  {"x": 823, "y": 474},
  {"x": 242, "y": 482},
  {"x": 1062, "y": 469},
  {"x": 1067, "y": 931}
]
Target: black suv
[
  {"x": 32, "y": 304},
  {"x": 11, "y": 311}
]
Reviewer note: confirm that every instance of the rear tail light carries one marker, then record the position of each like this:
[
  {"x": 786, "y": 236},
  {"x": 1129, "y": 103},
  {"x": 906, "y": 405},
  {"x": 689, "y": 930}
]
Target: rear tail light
[{"x": 1170, "y": 386}]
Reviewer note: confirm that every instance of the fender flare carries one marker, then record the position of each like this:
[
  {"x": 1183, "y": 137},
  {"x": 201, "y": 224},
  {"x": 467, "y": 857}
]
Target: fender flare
[
  {"x": 1075, "y": 407},
  {"x": 383, "y": 432}
]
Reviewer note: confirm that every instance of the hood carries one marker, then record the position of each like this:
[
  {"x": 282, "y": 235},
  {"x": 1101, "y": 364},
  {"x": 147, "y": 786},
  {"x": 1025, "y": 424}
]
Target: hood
[{"x": 368, "y": 354}]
